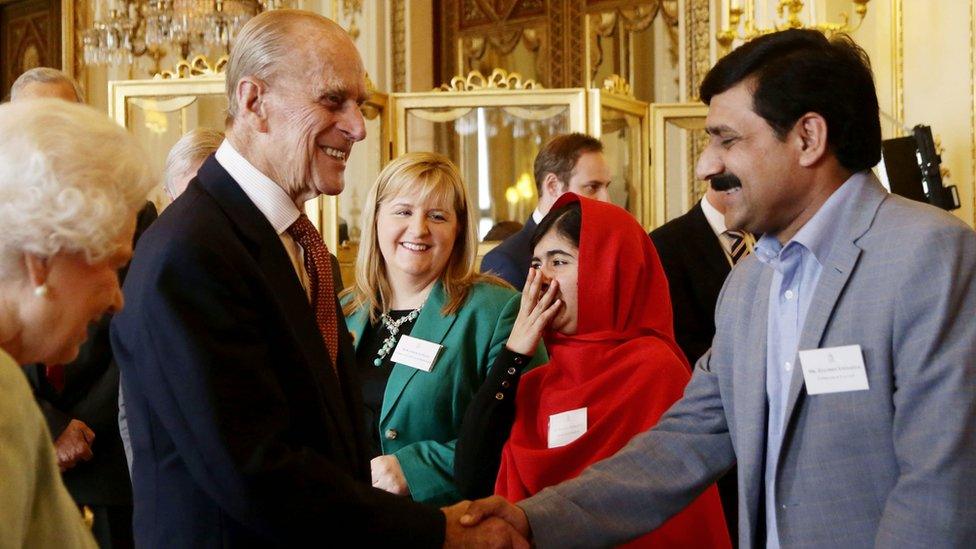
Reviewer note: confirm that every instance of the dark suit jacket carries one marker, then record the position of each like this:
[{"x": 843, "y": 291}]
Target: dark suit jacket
[
  {"x": 90, "y": 394},
  {"x": 696, "y": 267},
  {"x": 242, "y": 435},
  {"x": 511, "y": 259}
]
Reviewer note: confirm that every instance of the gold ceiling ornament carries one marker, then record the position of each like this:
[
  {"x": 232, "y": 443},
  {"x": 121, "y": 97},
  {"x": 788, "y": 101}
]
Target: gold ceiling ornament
[
  {"x": 156, "y": 28},
  {"x": 498, "y": 79},
  {"x": 617, "y": 85},
  {"x": 198, "y": 66},
  {"x": 745, "y": 22}
]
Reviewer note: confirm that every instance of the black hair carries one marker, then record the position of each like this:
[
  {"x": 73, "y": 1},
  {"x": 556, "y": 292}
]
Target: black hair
[
  {"x": 567, "y": 220},
  {"x": 800, "y": 71}
]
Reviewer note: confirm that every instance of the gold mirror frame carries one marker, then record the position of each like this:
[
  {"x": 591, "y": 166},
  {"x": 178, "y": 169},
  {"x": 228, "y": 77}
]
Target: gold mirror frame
[{"x": 687, "y": 116}]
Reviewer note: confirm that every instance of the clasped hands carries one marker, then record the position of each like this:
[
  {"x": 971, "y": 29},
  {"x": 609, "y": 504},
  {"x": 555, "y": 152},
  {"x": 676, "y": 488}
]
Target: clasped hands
[{"x": 489, "y": 522}]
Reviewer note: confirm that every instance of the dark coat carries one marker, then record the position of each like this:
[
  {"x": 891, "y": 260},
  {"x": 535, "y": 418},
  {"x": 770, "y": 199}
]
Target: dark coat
[
  {"x": 242, "y": 434},
  {"x": 696, "y": 266},
  {"x": 511, "y": 259}
]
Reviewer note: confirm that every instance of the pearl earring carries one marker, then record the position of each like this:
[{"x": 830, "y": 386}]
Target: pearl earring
[{"x": 40, "y": 291}]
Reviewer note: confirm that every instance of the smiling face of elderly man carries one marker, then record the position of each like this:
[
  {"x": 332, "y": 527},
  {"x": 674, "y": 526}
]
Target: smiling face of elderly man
[{"x": 296, "y": 121}]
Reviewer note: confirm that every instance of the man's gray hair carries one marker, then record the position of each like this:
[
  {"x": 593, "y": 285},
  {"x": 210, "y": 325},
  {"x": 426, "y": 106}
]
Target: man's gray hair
[
  {"x": 263, "y": 45},
  {"x": 70, "y": 181},
  {"x": 44, "y": 75},
  {"x": 189, "y": 151}
]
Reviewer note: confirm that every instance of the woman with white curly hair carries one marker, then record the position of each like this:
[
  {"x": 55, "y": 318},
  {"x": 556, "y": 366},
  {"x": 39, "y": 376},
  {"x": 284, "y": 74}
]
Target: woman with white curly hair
[{"x": 71, "y": 182}]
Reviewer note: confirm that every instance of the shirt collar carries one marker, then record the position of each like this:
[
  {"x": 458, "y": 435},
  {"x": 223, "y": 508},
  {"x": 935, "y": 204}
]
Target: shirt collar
[
  {"x": 537, "y": 216},
  {"x": 714, "y": 217},
  {"x": 268, "y": 196},
  {"x": 819, "y": 233}
]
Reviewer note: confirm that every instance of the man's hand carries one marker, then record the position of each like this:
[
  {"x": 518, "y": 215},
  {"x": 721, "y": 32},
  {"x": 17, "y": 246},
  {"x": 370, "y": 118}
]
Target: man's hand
[
  {"x": 74, "y": 444},
  {"x": 497, "y": 507},
  {"x": 492, "y": 532},
  {"x": 388, "y": 475}
]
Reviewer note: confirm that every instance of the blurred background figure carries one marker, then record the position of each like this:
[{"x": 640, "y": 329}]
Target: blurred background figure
[
  {"x": 79, "y": 400},
  {"x": 45, "y": 82},
  {"x": 502, "y": 230},
  {"x": 415, "y": 275},
  {"x": 186, "y": 157},
  {"x": 71, "y": 182},
  {"x": 571, "y": 162}
]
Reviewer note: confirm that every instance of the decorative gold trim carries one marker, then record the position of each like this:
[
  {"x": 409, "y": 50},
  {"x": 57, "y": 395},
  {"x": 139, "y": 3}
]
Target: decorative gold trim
[
  {"x": 196, "y": 67},
  {"x": 972, "y": 93},
  {"x": 898, "y": 62},
  {"x": 697, "y": 46},
  {"x": 398, "y": 14},
  {"x": 618, "y": 85},
  {"x": 499, "y": 79}
]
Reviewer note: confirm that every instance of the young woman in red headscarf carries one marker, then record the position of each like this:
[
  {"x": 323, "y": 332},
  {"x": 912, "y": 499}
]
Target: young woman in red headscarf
[{"x": 614, "y": 367}]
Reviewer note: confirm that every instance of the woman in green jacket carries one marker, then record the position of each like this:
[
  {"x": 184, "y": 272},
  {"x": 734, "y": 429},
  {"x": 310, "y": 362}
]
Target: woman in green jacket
[{"x": 426, "y": 325}]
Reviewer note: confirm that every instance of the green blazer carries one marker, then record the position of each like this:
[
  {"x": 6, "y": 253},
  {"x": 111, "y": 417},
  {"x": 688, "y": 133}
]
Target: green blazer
[{"x": 422, "y": 411}]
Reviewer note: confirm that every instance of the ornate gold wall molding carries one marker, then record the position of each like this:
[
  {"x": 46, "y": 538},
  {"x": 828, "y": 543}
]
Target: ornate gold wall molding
[
  {"x": 898, "y": 61},
  {"x": 399, "y": 26},
  {"x": 972, "y": 93},
  {"x": 499, "y": 79},
  {"x": 697, "y": 45}
]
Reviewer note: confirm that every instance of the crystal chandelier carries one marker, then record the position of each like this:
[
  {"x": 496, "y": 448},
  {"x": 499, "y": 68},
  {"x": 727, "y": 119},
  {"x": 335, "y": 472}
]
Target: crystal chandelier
[
  {"x": 154, "y": 28},
  {"x": 746, "y": 22}
]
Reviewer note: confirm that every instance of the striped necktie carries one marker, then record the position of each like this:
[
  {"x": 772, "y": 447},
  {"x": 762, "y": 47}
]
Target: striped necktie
[
  {"x": 319, "y": 268},
  {"x": 738, "y": 248}
]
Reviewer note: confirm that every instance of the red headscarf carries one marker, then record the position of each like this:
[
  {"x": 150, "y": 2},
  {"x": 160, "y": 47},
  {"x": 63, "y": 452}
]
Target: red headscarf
[{"x": 622, "y": 365}]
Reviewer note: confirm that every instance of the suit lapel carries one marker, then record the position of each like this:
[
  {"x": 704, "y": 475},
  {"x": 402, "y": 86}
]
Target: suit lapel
[
  {"x": 860, "y": 210},
  {"x": 269, "y": 253},
  {"x": 430, "y": 326},
  {"x": 749, "y": 382}
]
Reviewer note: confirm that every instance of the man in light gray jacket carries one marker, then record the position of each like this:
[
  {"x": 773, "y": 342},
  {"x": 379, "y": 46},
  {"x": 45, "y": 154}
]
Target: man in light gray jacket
[{"x": 842, "y": 376}]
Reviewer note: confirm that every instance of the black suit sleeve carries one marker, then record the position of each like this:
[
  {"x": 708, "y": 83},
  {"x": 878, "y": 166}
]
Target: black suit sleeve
[
  {"x": 486, "y": 426},
  {"x": 211, "y": 373}
]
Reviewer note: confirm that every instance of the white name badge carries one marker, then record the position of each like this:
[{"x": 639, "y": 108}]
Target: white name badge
[
  {"x": 834, "y": 370},
  {"x": 416, "y": 353},
  {"x": 566, "y": 427}
]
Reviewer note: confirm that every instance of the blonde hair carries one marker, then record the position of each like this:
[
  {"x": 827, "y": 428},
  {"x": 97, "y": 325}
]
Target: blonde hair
[
  {"x": 70, "y": 180},
  {"x": 192, "y": 149},
  {"x": 265, "y": 43},
  {"x": 424, "y": 175}
]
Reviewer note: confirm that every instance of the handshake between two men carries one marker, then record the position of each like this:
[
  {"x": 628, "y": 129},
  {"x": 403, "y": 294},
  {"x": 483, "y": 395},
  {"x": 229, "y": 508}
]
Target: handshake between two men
[{"x": 488, "y": 522}]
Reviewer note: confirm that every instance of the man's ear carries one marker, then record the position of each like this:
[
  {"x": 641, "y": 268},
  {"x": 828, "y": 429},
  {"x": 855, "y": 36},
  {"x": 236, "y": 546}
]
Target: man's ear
[
  {"x": 552, "y": 186},
  {"x": 811, "y": 136},
  {"x": 37, "y": 268},
  {"x": 251, "y": 102}
]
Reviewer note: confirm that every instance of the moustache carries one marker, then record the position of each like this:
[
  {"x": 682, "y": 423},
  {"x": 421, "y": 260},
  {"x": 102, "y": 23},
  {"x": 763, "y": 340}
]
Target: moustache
[{"x": 725, "y": 182}]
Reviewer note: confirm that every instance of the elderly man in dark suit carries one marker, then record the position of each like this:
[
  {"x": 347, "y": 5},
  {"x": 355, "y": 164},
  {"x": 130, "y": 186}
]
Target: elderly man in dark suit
[
  {"x": 238, "y": 370},
  {"x": 572, "y": 162}
]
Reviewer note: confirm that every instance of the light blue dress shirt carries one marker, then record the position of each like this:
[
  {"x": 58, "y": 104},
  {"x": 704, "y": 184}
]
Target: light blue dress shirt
[{"x": 796, "y": 270}]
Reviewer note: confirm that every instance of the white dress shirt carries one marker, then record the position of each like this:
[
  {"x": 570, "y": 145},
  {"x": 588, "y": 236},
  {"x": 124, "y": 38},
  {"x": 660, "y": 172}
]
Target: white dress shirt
[{"x": 271, "y": 200}]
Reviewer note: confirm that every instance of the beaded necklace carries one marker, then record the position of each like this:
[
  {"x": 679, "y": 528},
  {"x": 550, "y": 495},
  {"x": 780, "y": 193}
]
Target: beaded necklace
[{"x": 393, "y": 326}]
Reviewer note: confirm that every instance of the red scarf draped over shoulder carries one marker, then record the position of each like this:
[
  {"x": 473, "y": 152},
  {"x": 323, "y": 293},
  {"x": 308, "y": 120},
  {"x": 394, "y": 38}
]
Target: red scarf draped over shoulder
[{"x": 622, "y": 365}]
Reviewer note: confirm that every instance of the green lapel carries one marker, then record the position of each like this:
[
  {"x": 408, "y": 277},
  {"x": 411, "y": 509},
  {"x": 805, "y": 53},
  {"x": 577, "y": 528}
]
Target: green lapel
[
  {"x": 431, "y": 326},
  {"x": 356, "y": 323}
]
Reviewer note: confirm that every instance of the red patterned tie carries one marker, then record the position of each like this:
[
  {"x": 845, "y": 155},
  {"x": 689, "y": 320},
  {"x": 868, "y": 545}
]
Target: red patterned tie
[{"x": 319, "y": 269}]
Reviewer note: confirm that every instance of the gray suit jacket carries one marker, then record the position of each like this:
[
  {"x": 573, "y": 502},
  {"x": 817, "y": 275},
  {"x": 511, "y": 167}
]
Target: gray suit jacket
[{"x": 893, "y": 466}]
